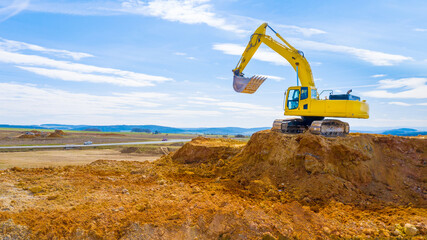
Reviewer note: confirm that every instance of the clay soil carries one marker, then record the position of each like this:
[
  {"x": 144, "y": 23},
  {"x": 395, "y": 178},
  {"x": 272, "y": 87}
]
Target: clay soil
[{"x": 273, "y": 187}]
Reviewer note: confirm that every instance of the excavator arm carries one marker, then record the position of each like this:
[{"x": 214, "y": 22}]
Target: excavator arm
[{"x": 293, "y": 56}]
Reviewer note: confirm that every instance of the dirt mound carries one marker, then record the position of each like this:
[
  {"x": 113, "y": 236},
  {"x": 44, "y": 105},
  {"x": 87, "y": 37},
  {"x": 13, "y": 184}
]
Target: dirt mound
[
  {"x": 144, "y": 150},
  {"x": 202, "y": 150},
  {"x": 27, "y": 135},
  {"x": 361, "y": 170},
  {"x": 33, "y": 134},
  {"x": 57, "y": 133}
]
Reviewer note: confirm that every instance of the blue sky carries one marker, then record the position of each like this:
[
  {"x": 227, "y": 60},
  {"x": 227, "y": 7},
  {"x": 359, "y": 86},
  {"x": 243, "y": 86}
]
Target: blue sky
[{"x": 169, "y": 62}]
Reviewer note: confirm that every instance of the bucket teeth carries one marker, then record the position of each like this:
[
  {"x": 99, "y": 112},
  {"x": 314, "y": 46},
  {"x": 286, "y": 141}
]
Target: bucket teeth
[{"x": 247, "y": 85}]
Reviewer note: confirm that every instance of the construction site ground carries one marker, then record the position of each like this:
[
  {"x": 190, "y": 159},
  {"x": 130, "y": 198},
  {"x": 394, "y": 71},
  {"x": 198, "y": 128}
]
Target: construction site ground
[{"x": 275, "y": 186}]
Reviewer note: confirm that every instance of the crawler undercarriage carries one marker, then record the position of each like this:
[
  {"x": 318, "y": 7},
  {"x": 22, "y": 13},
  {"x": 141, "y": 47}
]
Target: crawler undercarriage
[{"x": 315, "y": 125}]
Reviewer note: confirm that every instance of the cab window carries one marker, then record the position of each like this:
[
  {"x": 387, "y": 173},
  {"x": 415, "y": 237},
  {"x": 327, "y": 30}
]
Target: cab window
[
  {"x": 293, "y": 99},
  {"x": 304, "y": 93},
  {"x": 314, "y": 93}
]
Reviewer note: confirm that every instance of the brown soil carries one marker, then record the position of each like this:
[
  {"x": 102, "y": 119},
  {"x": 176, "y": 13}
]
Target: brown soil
[
  {"x": 360, "y": 170},
  {"x": 275, "y": 187},
  {"x": 57, "y": 133},
  {"x": 207, "y": 150}
]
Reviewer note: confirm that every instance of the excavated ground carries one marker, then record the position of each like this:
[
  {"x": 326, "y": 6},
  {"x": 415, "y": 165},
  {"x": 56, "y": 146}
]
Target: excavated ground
[{"x": 274, "y": 187}]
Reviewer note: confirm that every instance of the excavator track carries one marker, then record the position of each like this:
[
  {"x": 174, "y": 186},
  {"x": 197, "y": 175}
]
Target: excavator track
[
  {"x": 328, "y": 128},
  {"x": 294, "y": 125}
]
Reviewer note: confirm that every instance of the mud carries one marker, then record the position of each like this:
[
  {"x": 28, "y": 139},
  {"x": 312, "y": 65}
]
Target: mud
[{"x": 274, "y": 187}]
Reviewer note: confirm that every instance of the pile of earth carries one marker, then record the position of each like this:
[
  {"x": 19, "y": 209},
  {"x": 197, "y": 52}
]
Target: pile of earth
[
  {"x": 364, "y": 169},
  {"x": 208, "y": 150},
  {"x": 27, "y": 135},
  {"x": 145, "y": 150},
  {"x": 57, "y": 134},
  {"x": 274, "y": 187},
  {"x": 35, "y": 133}
]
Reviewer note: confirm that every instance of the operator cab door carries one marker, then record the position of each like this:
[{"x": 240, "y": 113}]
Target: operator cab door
[
  {"x": 292, "y": 99},
  {"x": 298, "y": 99}
]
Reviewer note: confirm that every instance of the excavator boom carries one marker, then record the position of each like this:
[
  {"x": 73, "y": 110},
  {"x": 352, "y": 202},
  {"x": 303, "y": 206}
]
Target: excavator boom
[{"x": 293, "y": 56}]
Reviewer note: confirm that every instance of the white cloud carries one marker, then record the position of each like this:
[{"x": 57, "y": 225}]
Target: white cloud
[
  {"x": 412, "y": 88},
  {"x": 404, "y": 82},
  {"x": 184, "y": 11},
  {"x": 12, "y": 8},
  {"x": 204, "y": 99},
  {"x": 32, "y": 104},
  {"x": 70, "y": 71},
  {"x": 13, "y": 46},
  {"x": 185, "y": 54},
  {"x": 407, "y": 104},
  {"x": 420, "y": 29},
  {"x": 378, "y": 75},
  {"x": 26, "y": 102},
  {"x": 229, "y": 105},
  {"x": 373, "y": 57},
  {"x": 413, "y": 93},
  {"x": 66, "y": 75},
  {"x": 275, "y": 78},
  {"x": 400, "y": 103},
  {"x": 308, "y": 32},
  {"x": 144, "y": 95},
  {"x": 262, "y": 54}
]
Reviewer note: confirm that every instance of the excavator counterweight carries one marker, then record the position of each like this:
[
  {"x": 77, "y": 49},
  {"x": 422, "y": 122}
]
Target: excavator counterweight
[{"x": 301, "y": 100}]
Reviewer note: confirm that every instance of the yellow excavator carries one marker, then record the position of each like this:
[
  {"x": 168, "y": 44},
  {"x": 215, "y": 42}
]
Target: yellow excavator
[{"x": 301, "y": 100}]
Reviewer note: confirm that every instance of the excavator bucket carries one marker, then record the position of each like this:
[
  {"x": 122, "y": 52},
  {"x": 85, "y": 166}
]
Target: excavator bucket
[{"x": 247, "y": 85}]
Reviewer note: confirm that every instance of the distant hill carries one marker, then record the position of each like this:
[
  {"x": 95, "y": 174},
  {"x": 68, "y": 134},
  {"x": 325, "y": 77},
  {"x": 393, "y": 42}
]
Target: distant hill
[
  {"x": 405, "y": 132},
  {"x": 216, "y": 131},
  {"x": 153, "y": 128}
]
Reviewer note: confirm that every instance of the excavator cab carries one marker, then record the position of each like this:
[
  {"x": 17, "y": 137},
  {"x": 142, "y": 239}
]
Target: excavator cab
[{"x": 298, "y": 98}]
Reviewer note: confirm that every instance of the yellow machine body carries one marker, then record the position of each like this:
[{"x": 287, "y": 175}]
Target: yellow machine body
[{"x": 304, "y": 101}]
